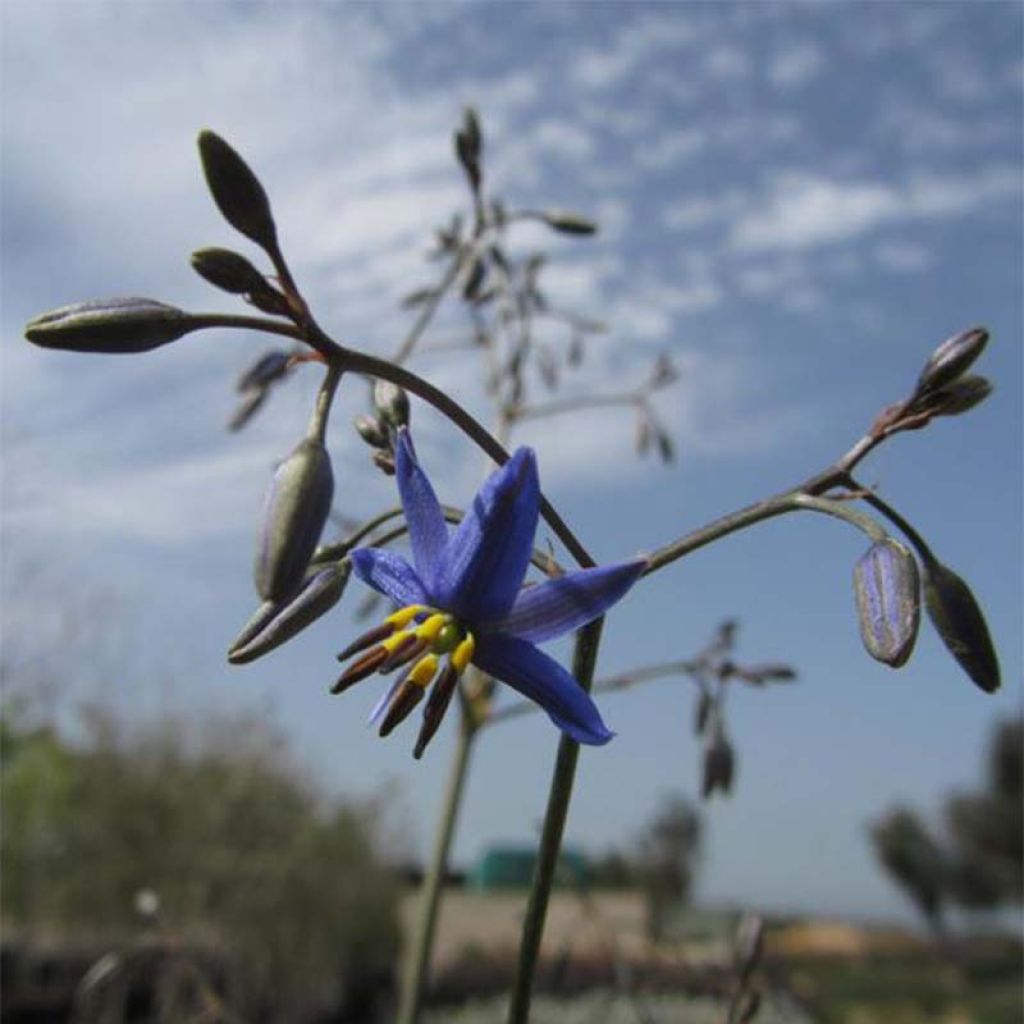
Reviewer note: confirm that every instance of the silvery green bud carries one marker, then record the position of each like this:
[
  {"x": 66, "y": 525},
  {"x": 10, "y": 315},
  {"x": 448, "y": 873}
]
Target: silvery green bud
[
  {"x": 293, "y": 519},
  {"x": 886, "y": 587},
  {"x": 569, "y": 223},
  {"x": 961, "y": 395},
  {"x": 955, "y": 613},
  {"x": 114, "y": 326},
  {"x": 952, "y": 358},
  {"x": 371, "y": 431},
  {"x": 236, "y": 190},
  {"x": 275, "y": 623},
  {"x": 228, "y": 270},
  {"x": 391, "y": 403}
]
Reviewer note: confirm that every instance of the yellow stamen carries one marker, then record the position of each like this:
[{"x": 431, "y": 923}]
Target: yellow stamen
[
  {"x": 423, "y": 671},
  {"x": 405, "y": 615},
  {"x": 431, "y": 627},
  {"x": 396, "y": 640},
  {"x": 463, "y": 654}
]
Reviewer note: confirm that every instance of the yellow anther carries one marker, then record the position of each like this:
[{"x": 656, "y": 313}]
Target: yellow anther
[
  {"x": 463, "y": 654},
  {"x": 424, "y": 670},
  {"x": 428, "y": 629},
  {"x": 405, "y": 615},
  {"x": 396, "y": 640}
]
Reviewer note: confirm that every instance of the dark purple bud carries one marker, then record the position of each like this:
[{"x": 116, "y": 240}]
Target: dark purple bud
[
  {"x": 568, "y": 223},
  {"x": 270, "y": 367},
  {"x": 769, "y": 673},
  {"x": 886, "y": 587},
  {"x": 952, "y": 358},
  {"x": 275, "y": 623},
  {"x": 719, "y": 764},
  {"x": 247, "y": 408},
  {"x": 391, "y": 403},
  {"x": 955, "y": 613},
  {"x": 293, "y": 519},
  {"x": 959, "y": 396},
  {"x": 110, "y": 326},
  {"x": 228, "y": 271},
  {"x": 468, "y": 144},
  {"x": 236, "y": 190}
]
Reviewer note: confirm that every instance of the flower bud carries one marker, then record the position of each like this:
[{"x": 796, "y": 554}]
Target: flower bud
[
  {"x": 702, "y": 712},
  {"x": 293, "y": 519},
  {"x": 886, "y": 587},
  {"x": 252, "y": 401},
  {"x": 771, "y": 672},
  {"x": 236, "y": 190},
  {"x": 270, "y": 367},
  {"x": 274, "y": 623},
  {"x": 468, "y": 143},
  {"x": 719, "y": 765},
  {"x": 114, "y": 326},
  {"x": 568, "y": 223},
  {"x": 961, "y": 395},
  {"x": 391, "y": 403},
  {"x": 228, "y": 271},
  {"x": 371, "y": 431},
  {"x": 952, "y": 358},
  {"x": 955, "y": 613}
]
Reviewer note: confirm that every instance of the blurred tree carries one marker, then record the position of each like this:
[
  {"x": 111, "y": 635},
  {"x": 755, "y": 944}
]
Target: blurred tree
[
  {"x": 241, "y": 850},
  {"x": 915, "y": 861},
  {"x": 669, "y": 851}
]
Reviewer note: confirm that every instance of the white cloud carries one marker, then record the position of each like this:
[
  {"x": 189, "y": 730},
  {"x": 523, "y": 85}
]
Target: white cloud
[
  {"x": 727, "y": 63},
  {"x": 903, "y": 257},
  {"x": 807, "y": 210}
]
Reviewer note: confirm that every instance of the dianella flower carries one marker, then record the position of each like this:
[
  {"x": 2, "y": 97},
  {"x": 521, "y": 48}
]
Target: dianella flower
[{"x": 461, "y": 601}]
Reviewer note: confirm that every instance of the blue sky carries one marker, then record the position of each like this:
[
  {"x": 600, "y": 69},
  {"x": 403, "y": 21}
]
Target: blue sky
[{"x": 798, "y": 202}]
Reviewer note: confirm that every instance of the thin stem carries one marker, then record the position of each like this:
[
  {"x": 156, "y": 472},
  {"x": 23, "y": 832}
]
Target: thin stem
[
  {"x": 421, "y": 322},
  {"x": 322, "y": 406},
  {"x": 532, "y": 412},
  {"x": 622, "y": 681},
  {"x": 900, "y": 523},
  {"x": 584, "y": 661},
  {"x": 418, "y": 961}
]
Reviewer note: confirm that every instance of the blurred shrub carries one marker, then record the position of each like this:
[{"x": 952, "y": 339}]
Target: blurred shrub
[{"x": 241, "y": 849}]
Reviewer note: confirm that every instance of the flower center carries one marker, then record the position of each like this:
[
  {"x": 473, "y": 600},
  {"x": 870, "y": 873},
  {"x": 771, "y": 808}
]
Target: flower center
[{"x": 419, "y": 637}]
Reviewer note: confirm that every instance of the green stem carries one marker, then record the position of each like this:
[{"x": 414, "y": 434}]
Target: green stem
[
  {"x": 583, "y": 664},
  {"x": 416, "y": 965}
]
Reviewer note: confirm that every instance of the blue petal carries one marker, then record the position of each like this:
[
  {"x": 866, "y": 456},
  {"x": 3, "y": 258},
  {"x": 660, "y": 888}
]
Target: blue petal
[
  {"x": 428, "y": 532},
  {"x": 486, "y": 559},
  {"x": 390, "y": 574},
  {"x": 544, "y": 681},
  {"x": 561, "y": 605}
]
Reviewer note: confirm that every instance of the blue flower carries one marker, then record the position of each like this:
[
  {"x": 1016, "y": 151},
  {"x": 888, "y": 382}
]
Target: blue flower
[{"x": 462, "y": 601}]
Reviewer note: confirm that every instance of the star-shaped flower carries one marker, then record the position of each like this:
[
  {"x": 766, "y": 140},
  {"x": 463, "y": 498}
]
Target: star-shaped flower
[{"x": 462, "y": 601}]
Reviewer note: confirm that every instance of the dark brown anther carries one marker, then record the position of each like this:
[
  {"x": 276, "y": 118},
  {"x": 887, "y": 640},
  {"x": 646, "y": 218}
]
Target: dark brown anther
[
  {"x": 406, "y": 697},
  {"x": 372, "y": 636},
  {"x": 359, "y": 670},
  {"x": 437, "y": 705}
]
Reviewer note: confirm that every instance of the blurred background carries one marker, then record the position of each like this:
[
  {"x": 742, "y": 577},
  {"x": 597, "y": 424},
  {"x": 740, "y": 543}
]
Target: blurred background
[{"x": 795, "y": 205}]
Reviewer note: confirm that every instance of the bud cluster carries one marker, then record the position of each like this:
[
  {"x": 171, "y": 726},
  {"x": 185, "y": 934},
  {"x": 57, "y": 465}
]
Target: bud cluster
[{"x": 390, "y": 412}]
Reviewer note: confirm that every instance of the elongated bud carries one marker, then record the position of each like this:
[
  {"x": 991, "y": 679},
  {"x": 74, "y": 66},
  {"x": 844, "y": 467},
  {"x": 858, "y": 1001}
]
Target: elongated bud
[
  {"x": 236, "y": 190},
  {"x": 227, "y": 270},
  {"x": 468, "y": 144},
  {"x": 371, "y": 431},
  {"x": 111, "y": 326},
  {"x": 270, "y": 367},
  {"x": 952, "y": 358},
  {"x": 250, "y": 404},
  {"x": 273, "y": 623},
  {"x": 568, "y": 223},
  {"x": 702, "y": 712},
  {"x": 957, "y": 617},
  {"x": 772, "y": 672},
  {"x": 293, "y": 518},
  {"x": 961, "y": 395},
  {"x": 391, "y": 403},
  {"x": 886, "y": 587},
  {"x": 719, "y": 765}
]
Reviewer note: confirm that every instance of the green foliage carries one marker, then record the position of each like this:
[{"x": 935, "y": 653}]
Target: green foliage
[
  {"x": 239, "y": 847},
  {"x": 669, "y": 850},
  {"x": 914, "y": 859}
]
